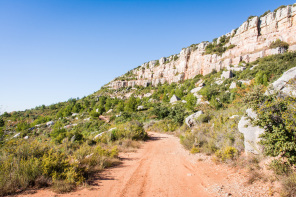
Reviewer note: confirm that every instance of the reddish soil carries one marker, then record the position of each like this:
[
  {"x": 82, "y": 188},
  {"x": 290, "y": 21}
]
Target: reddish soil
[{"x": 161, "y": 167}]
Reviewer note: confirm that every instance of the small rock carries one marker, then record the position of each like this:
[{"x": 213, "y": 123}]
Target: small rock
[
  {"x": 140, "y": 107},
  {"x": 16, "y": 135},
  {"x": 73, "y": 138}
]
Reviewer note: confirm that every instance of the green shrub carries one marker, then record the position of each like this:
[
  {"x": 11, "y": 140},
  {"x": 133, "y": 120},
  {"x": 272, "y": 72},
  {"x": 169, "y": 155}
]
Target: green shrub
[
  {"x": 265, "y": 13},
  {"x": 2, "y": 123},
  {"x": 176, "y": 57},
  {"x": 279, "y": 43},
  {"x": 250, "y": 17},
  {"x": 58, "y": 135},
  {"x": 187, "y": 140},
  {"x": 273, "y": 66},
  {"x": 231, "y": 46},
  {"x": 177, "y": 113},
  {"x": 277, "y": 116},
  {"x": 131, "y": 130},
  {"x": 280, "y": 167},
  {"x": 161, "y": 111},
  {"x": 163, "y": 126},
  {"x": 228, "y": 153},
  {"x": 157, "y": 63},
  {"x": 195, "y": 150},
  {"x": 204, "y": 118},
  {"x": 280, "y": 7},
  {"x": 18, "y": 174}
]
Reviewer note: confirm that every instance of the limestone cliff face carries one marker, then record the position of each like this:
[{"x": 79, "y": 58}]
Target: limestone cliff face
[{"x": 251, "y": 40}]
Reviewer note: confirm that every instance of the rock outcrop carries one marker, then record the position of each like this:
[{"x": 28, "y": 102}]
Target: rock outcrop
[
  {"x": 285, "y": 84},
  {"x": 191, "y": 120},
  {"x": 174, "y": 99},
  {"x": 251, "y": 133},
  {"x": 249, "y": 42}
]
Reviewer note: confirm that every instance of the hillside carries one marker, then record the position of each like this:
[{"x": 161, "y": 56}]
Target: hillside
[
  {"x": 232, "y": 99},
  {"x": 245, "y": 44}
]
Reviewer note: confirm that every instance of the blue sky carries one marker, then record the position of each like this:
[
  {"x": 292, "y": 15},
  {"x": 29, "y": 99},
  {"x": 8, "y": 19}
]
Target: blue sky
[{"x": 52, "y": 50}]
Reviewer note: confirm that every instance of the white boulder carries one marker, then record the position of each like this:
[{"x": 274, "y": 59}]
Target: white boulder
[
  {"x": 283, "y": 85},
  {"x": 234, "y": 116},
  {"x": 251, "y": 133},
  {"x": 147, "y": 95},
  {"x": 191, "y": 120},
  {"x": 226, "y": 74},
  {"x": 174, "y": 99},
  {"x": 245, "y": 82},
  {"x": 16, "y": 135},
  {"x": 232, "y": 85},
  {"x": 196, "y": 90}
]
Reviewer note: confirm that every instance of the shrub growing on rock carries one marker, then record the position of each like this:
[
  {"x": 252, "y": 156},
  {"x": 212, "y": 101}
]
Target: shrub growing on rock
[{"x": 279, "y": 43}]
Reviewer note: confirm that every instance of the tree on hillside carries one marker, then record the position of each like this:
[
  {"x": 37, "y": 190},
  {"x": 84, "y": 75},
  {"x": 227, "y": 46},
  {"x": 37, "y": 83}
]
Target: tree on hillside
[
  {"x": 165, "y": 99},
  {"x": 108, "y": 104},
  {"x": 1, "y": 122},
  {"x": 131, "y": 104},
  {"x": 191, "y": 101},
  {"x": 120, "y": 106}
]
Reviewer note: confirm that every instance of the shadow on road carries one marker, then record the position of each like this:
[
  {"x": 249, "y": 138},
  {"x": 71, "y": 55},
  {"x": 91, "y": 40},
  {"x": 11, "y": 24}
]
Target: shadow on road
[{"x": 154, "y": 138}]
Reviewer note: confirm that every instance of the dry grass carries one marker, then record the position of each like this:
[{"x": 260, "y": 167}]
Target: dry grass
[
  {"x": 128, "y": 145},
  {"x": 254, "y": 176},
  {"x": 61, "y": 186},
  {"x": 289, "y": 186}
]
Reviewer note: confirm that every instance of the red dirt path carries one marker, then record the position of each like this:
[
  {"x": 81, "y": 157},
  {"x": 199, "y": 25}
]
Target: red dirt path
[{"x": 161, "y": 167}]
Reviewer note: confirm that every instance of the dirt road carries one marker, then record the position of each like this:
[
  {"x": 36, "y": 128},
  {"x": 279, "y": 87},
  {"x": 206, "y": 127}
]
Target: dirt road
[{"x": 163, "y": 168}]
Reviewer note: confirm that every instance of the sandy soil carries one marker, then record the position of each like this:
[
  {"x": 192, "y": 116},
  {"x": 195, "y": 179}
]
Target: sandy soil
[{"x": 161, "y": 167}]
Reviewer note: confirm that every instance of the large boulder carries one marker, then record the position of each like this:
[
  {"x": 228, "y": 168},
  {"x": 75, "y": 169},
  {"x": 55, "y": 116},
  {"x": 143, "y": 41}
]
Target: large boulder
[
  {"x": 196, "y": 90},
  {"x": 241, "y": 68},
  {"x": 174, "y": 99},
  {"x": 285, "y": 84},
  {"x": 245, "y": 82},
  {"x": 251, "y": 133},
  {"x": 226, "y": 74},
  {"x": 147, "y": 95},
  {"x": 191, "y": 120},
  {"x": 232, "y": 85}
]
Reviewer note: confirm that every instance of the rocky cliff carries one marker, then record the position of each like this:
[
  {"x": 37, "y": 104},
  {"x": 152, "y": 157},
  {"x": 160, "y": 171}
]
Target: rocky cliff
[{"x": 247, "y": 43}]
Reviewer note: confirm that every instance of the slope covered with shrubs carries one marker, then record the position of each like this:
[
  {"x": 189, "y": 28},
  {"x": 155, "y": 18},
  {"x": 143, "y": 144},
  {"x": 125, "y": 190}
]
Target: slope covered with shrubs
[{"x": 64, "y": 144}]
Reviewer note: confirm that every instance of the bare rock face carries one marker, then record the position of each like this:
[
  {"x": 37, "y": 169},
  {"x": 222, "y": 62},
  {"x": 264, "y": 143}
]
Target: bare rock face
[
  {"x": 251, "y": 133},
  {"x": 251, "y": 40},
  {"x": 285, "y": 84},
  {"x": 191, "y": 120}
]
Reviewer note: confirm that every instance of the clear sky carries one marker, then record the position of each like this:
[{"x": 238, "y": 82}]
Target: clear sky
[{"x": 52, "y": 50}]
